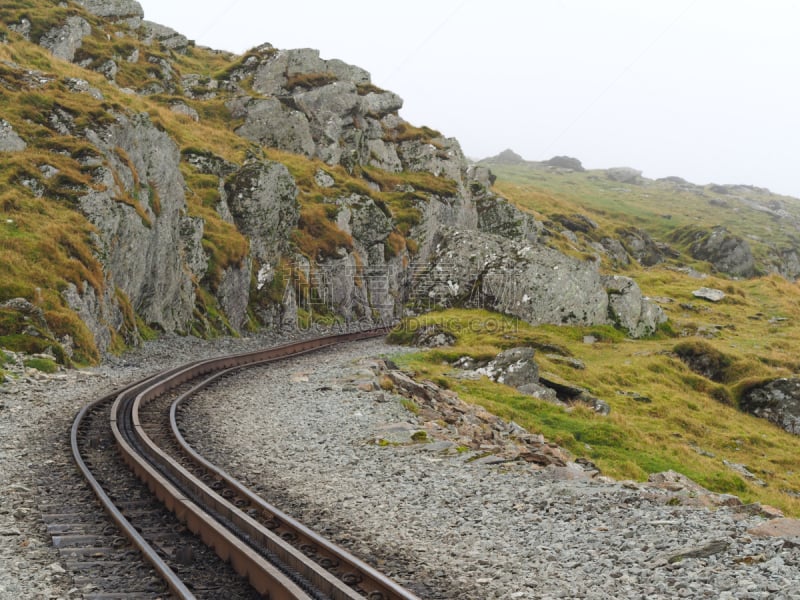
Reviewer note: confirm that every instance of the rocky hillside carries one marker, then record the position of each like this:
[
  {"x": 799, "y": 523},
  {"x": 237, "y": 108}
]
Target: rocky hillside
[
  {"x": 736, "y": 231},
  {"x": 150, "y": 185}
]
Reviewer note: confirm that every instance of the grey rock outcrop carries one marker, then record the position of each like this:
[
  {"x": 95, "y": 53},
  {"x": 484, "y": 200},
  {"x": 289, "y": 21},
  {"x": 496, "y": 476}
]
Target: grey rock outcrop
[
  {"x": 441, "y": 156},
  {"x": 629, "y": 309},
  {"x": 500, "y": 217},
  {"x": 316, "y": 107},
  {"x": 142, "y": 245},
  {"x": 23, "y": 28},
  {"x": 65, "y": 40},
  {"x": 777, "y": 401},
  {"x": 114, "y": 9},
  {"x": 329, "y": 110},
  {"x": 262, "y": 197},
  {"x": 532, "y": 282},
  {"x": 514, "y": 367},
  {"x": 167, "y": 37},
  {"x": 615, "y": 251},
  {"x": 726, "y": 252},
  {"x": 269, "y": 122},
  {"x": 100, "y": 313},
  {"x": 565, "y": 162},
  {"x": 233, "y": 293},
  {"x": 506, "y": 157},
  {"x": 9, "y": 140},
  {"x": 32, "y": 314},
  {"x": 643, "y": 248},
  {"x": 624, "y": 175}
]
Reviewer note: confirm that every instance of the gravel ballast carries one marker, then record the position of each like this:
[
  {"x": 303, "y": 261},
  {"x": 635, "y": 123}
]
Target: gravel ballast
[{"x": 305, "y": 435}]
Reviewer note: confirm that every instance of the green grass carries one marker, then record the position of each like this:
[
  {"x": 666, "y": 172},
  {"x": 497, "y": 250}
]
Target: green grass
[
  {"x": 44, "y": 365},
  {"x": 637, "y": 438},
  {"x": 658, "y": 208}
]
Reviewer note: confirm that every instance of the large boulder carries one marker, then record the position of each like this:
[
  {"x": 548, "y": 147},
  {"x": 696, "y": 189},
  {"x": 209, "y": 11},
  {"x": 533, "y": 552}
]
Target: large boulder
[
  {"x": 262, "y": 198},
  {"x": 777, "y": 401},
  {"x": 532, "y": 282},
  {"x": 726, "y": 252},
  {"x": 9, "y": 139},
  {"x": 63, "y": 41},
  {"x": 629, "y": 309},
  {"x": 644, "y": 248},
  {"x": 624, "y": 175},
  {"x": 514, "y": 367},
  {"x": 115, "y": 9},
  {"x": 269, "y": 122}
]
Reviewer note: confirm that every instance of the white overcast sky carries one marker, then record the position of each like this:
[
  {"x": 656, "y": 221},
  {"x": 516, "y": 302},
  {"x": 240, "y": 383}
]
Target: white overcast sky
[{"x": 708, "y": 90}]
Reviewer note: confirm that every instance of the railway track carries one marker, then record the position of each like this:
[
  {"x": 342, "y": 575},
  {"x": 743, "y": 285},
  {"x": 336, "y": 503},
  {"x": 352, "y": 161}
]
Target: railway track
[{"x": 261, "y": 551}]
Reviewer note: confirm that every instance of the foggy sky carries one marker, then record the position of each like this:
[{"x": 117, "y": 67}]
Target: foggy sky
[{"x": 708, "y": 90}]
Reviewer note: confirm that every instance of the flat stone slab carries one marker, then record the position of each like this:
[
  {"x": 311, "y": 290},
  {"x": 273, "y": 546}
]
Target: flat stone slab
[
  {"x": 711, "y": 294},
  {"x": 782, "y": 528}
]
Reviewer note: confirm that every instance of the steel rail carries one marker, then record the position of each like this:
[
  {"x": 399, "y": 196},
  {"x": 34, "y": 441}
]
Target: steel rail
[
  {"x": 149, "y": 553},
  {"x": 295, "y": 576}
]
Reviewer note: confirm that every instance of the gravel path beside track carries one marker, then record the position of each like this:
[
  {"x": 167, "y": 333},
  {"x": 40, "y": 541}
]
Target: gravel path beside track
[
  {"x": 303, "y": 433},
  {"x": 445, "y": 527}
]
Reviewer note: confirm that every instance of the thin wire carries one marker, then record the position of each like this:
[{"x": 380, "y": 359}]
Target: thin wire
[{"x": 618, "y": 77}]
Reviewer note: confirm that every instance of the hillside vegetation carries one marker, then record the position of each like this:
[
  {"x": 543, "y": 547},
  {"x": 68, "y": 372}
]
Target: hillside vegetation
[
  {"x": 148, "y": 185},
  {"x": 664, "y": 415}
]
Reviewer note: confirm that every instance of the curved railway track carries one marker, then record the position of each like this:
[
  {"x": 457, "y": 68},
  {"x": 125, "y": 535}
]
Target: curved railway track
[{"x": 279, "y": 557}]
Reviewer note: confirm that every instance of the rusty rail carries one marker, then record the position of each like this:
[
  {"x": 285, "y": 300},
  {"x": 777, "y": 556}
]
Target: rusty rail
[{"x": 273, "y": 566}]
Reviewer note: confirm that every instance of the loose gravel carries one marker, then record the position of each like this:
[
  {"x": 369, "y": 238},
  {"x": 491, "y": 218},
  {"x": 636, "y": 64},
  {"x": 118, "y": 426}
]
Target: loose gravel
[
  {"x": 447, "y": 528},
  {"x": 36, "y": 412},
  {"x": 303, "y": 433}
]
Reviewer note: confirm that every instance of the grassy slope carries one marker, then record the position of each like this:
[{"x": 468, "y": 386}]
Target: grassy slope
[
  {"x": 658, "y": 207},
  {"x": 756, "y": 328},
  {"x": 47, "y": 244}
]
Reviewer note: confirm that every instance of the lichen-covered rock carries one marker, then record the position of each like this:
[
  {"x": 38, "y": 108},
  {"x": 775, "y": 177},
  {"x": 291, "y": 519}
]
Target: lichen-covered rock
[
  {"x": 262, "y": 197},
  {"x": 368, "y": 224},
  {"x": 777, "y": 401},
  {"x": 630, "y": 310},
  {"x": 101, "y": 315},
  {"x": 142, "y": 246},
  {"x": 726, "y": 252},
  {"x": 167, "y": 37},
  {"x": 514, "y": 367},
  {"x": 500, "y": 217},
  {"x": 443, "y": 159},
  {"x": 271, "y": 123},
  {"x": 615, "y": 251},
  {"x": 233, "y": 293},
  {"x": 330, "y": 110},
  {"x": 64, "y": 40},
  {"x": 643, "y": 248},
  {"x": 380, "y": 104},
  {"x": 9, "y": 140},
  {"x": 113, "y": 8},
  {"x": 535, "y": 283}
]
